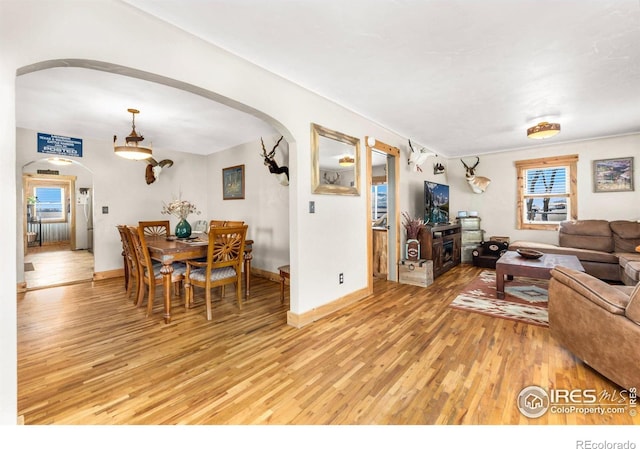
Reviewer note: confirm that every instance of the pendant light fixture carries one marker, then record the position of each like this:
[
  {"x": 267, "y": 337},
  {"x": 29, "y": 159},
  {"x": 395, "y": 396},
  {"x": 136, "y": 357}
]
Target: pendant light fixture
[
  {"x": 543, "y": 130},
  {"x": 131, "y": 149}
]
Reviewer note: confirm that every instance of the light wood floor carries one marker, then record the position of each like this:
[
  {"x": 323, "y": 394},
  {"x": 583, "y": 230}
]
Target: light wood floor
[
  {"x": 57, "y": 265},
  {"x": 86, "y": 355}
]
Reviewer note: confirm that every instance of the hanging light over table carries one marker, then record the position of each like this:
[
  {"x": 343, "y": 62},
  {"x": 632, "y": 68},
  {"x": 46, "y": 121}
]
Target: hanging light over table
[{"x": 132, "y": 148}]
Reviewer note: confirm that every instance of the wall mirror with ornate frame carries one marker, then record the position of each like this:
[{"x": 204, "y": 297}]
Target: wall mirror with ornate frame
[{"x": 335, "y": 162}]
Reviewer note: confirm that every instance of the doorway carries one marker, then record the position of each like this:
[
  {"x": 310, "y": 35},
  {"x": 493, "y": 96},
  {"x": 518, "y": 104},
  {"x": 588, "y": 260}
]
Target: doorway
[
  {"x": 383, "y": 215},
  {"x": 57, "y": 224}
]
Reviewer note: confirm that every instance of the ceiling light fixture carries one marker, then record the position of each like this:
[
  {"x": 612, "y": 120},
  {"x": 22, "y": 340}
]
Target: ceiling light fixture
[
  {"x": 346, "y": 161},
  {"x": 543, "y": 130},
  {"x": 59, "y": 161},
  {"x": 131, "y": 149}
]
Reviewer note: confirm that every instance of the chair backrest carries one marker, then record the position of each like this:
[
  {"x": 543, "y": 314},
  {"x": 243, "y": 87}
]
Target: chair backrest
[
  {"x": 155, "y": 227},
  {"x": 226, "y": 247},
  {"x": 142, "y": 253},
  {"x": 220, "y": 223},
  {"x": 127, "y": 247},
  {"x": 200, "y": 226},
  {"x": 234, "y": 223}
]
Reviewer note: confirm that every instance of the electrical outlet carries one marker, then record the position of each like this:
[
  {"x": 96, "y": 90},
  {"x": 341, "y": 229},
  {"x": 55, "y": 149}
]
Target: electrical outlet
[{"x": 341, "y": 278}]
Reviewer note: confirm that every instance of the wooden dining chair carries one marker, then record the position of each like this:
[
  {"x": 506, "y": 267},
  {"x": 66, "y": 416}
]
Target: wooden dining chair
[
  {"x": 216, "y": 223},
  {"x": 222, "y": 267},
  {"x": 234, "y": 223},
  {"x": 148, "y": 272},
  {"x": 200, "y": 227},
  {"x": 130, "y": 262},
  {"x": 155, "y": 227}
]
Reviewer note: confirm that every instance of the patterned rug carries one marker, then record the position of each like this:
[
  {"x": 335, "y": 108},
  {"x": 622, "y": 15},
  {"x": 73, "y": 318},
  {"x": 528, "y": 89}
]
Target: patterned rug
[{"x": 525, "y": 299}]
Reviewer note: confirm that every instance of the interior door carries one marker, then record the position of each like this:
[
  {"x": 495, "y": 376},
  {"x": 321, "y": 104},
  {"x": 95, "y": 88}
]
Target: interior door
[{"x": 390, "y": 160}]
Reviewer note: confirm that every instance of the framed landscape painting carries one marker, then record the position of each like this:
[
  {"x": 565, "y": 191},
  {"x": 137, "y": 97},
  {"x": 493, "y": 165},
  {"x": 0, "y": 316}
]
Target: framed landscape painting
[
  {"x": 233, "y": 183},
  {"x": 613, "y": 175}
]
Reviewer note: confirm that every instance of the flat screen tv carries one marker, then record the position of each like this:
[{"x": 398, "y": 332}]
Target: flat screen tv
[{"x": 436, "y": 203}]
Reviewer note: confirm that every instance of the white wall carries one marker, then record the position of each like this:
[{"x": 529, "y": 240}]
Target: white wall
[
  {"x": 265, "y": 207},
  {"x": 496, "y": 206}
]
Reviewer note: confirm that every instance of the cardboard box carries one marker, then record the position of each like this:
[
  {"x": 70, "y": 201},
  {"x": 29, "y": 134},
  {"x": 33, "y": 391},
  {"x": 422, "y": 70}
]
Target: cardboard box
[{"x": 416, "y": 272}]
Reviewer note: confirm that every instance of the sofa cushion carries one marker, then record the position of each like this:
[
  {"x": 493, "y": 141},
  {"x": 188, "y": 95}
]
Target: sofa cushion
[
  {"x": 608, "y": 297},
  {"x": 633, "y": 308},
  {"x": 626, "y": 235},
  {"x": 632, "y": 269},
  {"x": 587, "y": 234}
]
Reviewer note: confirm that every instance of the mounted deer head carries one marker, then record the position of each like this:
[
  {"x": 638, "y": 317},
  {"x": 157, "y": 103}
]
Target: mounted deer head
[
  {"x": 477, "y": 183},
  {"x": 331, "y": 180},
  {"x": 154, "y": 168},
  {"x": 282, "y": 173},
  {"x": 417, "y": 157}
]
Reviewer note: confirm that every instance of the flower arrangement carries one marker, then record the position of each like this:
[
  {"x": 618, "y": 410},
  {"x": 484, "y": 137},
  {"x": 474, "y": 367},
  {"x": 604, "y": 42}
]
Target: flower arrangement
[
  {"x": 180, "y": 208},
  {"x": 413, "y": 226}
]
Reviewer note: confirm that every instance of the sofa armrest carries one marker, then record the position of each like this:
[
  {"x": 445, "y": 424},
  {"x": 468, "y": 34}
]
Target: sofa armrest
[{"x": 598, "y": 292}]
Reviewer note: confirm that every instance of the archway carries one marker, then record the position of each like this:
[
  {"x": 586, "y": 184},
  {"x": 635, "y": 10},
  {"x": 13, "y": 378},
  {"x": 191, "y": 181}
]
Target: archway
[
  {"x": 146, "y": 76},
  {"x": 58, "y": 241}
]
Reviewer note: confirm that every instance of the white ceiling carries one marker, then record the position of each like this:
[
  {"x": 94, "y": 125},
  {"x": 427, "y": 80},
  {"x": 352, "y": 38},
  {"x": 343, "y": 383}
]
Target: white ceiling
[{"x": 458, "y": 77}]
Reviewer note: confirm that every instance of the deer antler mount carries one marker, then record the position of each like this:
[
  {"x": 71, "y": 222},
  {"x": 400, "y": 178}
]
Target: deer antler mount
[{"x": 282, "y": 173}]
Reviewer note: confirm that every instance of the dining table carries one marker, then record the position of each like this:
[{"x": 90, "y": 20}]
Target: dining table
[{"x": 170, "y": 250}]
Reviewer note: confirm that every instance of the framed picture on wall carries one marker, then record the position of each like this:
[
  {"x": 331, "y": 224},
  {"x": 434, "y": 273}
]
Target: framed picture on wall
[
  {"x": 233, "y": 183},
  {"x": 613, "y": 175}
]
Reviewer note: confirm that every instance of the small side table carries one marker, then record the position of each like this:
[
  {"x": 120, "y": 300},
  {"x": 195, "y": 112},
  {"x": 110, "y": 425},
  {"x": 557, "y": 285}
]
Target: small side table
[{"x": 284, "y": 275}]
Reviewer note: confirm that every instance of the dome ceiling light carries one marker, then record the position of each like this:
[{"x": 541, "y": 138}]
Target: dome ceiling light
[{"x": 543, "y": 130}]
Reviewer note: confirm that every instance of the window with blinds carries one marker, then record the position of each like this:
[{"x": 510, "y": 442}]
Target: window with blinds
[
  {"x": 50, "y": 203},
  {"x": 546, "y": 192}
]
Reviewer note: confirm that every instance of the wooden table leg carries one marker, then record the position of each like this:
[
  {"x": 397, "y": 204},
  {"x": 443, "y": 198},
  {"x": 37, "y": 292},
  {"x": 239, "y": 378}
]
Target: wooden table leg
[
  {"x": 167, "y": 271},
  {"x": 499, "y": 283},
  {"x": 247, "y": 275},
  {"x": 281, "y": 286}
]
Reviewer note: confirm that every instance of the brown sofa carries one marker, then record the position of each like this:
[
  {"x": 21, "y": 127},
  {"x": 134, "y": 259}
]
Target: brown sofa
[
  {"x": 597, "y": 322},
  {"x": 606, "y": 249}
]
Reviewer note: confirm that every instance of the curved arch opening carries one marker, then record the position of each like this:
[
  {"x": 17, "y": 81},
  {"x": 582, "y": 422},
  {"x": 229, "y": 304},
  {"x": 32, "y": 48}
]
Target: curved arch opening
[{"x": 159, "y": 79}]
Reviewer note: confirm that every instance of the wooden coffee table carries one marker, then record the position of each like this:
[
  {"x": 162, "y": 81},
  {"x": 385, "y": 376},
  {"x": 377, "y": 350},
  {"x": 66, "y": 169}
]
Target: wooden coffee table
[{"x": 513, "y": 264}]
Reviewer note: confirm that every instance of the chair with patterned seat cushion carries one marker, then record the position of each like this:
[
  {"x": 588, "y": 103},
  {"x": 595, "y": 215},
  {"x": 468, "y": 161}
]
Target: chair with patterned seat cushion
[
  {"x": 225, "y": 256},
  {"x": 155, "y": 227},
  {"x": 148, "y": 272}
]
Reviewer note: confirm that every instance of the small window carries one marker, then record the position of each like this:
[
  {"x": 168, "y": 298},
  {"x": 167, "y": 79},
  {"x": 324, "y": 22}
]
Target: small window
[
  {"x": 50, "y": 203},
  {"x": 546, "y": 192}
]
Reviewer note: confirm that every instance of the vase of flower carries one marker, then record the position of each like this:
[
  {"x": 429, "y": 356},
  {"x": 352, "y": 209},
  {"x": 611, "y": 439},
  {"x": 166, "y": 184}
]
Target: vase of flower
[
  {"x": 183, "y": 229},
  {"x": 181, "y": 209}
]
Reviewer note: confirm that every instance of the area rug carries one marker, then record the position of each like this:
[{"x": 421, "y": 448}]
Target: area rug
[
  {"x": 525, "y": 299},
  {"x": 28, "y": 266}
]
